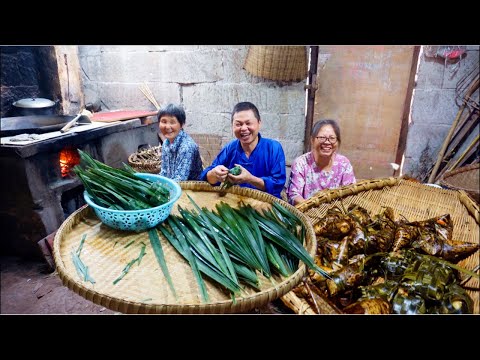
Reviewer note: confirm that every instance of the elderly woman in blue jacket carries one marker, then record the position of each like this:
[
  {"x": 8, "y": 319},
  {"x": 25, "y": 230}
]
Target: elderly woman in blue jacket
[{"x": 180, "y": 154}]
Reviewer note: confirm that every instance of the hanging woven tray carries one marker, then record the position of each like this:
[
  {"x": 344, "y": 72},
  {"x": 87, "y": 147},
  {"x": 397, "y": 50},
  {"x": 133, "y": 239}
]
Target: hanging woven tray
[
  {"x": 282, "y": 63},
  {"x": 411, "y": 199},
  {"x": 144, "y": 288},
  {"x": 466, "y": 178}
]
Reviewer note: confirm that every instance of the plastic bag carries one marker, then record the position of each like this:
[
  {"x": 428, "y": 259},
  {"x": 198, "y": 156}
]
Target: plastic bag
[{"x": 450, "y": 52}]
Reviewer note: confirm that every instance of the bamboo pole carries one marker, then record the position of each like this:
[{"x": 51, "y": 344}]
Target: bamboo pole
[
  {"x": 311, "y": 90},
  {"x": 464, "y": 128},
  {"x": 460, "y": 158},
  {"x": 450, "y": 156},
  {"x": 471, "y": 90}
]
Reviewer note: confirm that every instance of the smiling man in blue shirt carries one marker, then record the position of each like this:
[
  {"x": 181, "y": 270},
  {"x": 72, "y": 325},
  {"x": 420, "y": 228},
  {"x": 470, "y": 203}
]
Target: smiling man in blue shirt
[{"x": 262, "y": 160}]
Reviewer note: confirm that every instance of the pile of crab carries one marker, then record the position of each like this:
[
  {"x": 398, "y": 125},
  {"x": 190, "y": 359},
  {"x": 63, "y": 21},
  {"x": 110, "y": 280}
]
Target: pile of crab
[{"x": 379, "y": 265}]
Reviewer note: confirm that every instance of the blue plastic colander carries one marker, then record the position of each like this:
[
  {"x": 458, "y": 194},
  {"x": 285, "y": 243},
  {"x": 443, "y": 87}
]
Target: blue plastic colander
[{"x": 138, "y": 220}]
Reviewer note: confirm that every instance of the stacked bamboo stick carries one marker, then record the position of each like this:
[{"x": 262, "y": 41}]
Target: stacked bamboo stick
[{"x": 149, "y": 95}]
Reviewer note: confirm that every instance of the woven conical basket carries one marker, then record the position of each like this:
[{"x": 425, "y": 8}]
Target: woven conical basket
[
  {"x": 411, "y": 199},
  {"x": 144, "y": 289},
  {"x": 282, "y": 63}
]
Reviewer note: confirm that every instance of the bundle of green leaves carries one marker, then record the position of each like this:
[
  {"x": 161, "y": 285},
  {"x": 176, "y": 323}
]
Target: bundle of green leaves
[
  {"x": 118, "y": 189},
  {"x": 233, "y": 245}
]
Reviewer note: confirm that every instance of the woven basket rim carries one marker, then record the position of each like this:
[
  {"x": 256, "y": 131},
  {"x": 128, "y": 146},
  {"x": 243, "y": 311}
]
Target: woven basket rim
[
  {"x": 371, "y": 184},
  {"x": 242, "y": 304}
]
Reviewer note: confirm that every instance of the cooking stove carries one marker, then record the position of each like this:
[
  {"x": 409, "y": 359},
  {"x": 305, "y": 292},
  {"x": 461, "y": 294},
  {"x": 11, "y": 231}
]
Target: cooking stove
[{"x": 39, "y": 190}]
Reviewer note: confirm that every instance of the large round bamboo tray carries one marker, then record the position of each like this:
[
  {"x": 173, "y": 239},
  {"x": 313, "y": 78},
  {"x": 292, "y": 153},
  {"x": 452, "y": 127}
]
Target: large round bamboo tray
[
  {"x": 411, "y": 199},
  {"x": 466, "y": 178},
  {"x": 144, "y": 288}
]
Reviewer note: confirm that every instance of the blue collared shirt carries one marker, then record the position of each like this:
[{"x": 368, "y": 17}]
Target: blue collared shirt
[
  {"x": 267, "y": 161},
  {"x": 181, "y": 160}
]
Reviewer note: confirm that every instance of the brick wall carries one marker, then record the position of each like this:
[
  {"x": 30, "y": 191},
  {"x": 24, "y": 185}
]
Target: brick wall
[{"x": 207, "y": 80}]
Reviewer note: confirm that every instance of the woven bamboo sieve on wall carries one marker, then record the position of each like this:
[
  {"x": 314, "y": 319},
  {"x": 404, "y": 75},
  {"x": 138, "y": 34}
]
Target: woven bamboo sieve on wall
[
  {"x": 283, "y": 63},
  {"x": 466, "y": 178},
  {"x": 209, "y": 146}
]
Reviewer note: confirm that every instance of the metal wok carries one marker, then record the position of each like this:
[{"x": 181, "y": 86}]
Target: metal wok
[{"x": 34, "y": 124}]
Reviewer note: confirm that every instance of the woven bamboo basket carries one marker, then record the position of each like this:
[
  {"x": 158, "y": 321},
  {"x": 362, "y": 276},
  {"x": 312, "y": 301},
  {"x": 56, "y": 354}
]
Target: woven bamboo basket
[
  {"x": 465, "y": 178},
  {"x": 209, "y": 146},
  {"x": 411, "y": 199},
  {"x": 144, "y": 288},
  {"x": 283, "y": 63},
  {"x": 147, "y": 160}
]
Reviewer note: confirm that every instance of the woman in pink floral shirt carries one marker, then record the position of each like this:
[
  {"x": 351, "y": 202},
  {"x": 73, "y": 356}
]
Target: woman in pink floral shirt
[{"x": 322, "y": 167}]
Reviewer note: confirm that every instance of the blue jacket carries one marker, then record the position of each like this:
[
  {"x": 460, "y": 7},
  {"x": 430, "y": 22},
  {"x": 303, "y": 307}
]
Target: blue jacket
[
  {"x": 181, "y": 160},
  {"x": 267, "y": 161}
]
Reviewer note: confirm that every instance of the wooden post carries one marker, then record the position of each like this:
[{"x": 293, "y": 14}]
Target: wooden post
[
  {"x": 311, "y": 89},
  {"x": 402, "y": 142},
  {"x": 70, "y": 79}
]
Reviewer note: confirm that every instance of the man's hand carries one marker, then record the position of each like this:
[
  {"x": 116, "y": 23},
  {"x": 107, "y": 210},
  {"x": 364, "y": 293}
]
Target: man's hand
[
  {"x": 243, "y": 177},
  {"x": 217, "y": 174},
  {"x": 246, "y": 177}
]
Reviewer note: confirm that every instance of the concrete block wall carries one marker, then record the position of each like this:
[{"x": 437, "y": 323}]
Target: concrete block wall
[
  {"x": 207, "y": 80},
  {"x": 434, "y": 108}
]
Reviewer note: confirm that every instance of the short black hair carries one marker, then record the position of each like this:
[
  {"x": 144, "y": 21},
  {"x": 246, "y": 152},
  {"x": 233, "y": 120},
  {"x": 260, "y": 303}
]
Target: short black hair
[
  {"x": 244, "y": 106},
  {"x": 321, "y": 123},
  {"x": 173, "y": 110}
]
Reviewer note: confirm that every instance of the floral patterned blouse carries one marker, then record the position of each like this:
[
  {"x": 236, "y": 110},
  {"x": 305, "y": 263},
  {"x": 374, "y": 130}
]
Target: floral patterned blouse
[
  {"x": 306, "y": 178},
  {"x": 181, "y": 160}
]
